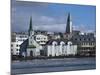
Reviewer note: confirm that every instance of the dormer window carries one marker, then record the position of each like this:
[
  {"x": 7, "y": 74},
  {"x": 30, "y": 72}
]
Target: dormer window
[
  {"x": 89, "y": 39},
  {"x": 69, "y": 43},
  {"x": 75, "y": 39},
  {"x": 54, "y": 43},
  {"x": 62, "y": 43},
  {"x": 84, "y": 39}
]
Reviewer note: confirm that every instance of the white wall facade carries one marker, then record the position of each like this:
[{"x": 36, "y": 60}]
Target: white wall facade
[
  {"x": 61, "y": 50},
  {"x": 35, "y": 51},
  {"x": 32, "y": 42},
  {"x": 41, "y": 39},
  {"x": 15, "y": 46}
]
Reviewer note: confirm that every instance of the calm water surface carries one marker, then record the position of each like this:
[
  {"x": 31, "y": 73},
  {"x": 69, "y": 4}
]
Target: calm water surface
[{"x": 52, "y": 65}]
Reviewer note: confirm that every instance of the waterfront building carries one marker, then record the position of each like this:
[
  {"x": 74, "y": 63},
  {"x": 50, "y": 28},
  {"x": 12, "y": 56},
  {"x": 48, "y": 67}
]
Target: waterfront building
[
  {"x": 16, "y": 40},
  {"x": 41, "y": 38},
  {"x": 38, "y": 45},
  {"x": 72, "y": 42},
  {"x": 30, "y": 47},
  {"x": 61, "y": 48},
  {"x": 86, "y": 44},
  {"x": 33, "y": 48}
]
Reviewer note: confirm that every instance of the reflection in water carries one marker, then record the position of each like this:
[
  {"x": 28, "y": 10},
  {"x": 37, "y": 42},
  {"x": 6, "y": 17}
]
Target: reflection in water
[{"x": 48, "y": 65}]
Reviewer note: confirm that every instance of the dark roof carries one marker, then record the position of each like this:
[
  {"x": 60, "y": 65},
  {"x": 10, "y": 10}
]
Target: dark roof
[
  {"x": 77, "y": 39},
  {"x": 58, "y": 41},
  {"x": 83, "y": 38},
  {"x": 23, "y": 46}
]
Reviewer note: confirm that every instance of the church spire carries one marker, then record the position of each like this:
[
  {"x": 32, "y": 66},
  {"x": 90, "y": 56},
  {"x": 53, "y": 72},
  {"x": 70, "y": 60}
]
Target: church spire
[
  {"x": 69, "y": 24},
  {"x": 30, "y": 25}
]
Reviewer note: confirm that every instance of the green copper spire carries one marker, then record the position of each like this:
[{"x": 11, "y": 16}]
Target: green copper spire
[{"x": 30, "y": 27}]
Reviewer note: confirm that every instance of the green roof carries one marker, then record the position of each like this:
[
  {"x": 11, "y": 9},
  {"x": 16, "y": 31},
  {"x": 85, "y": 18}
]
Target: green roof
[{"x": 31, "y": 46}]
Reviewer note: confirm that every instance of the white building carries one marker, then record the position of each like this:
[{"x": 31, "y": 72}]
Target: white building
[
  {"x": 60, "y": 48},
  {"x": 15, "y": 47},
  {"x": 41, "y": 39},
  {"x": 16, "y": 40}
]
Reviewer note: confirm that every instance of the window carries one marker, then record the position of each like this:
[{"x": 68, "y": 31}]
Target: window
[
  {"x": 17, "y": 49},
  {"x": 92, "y": 43},
  {"x": 55, "y": 44},
  {"x": 42, "y": 41},
  {"x": 84, "y": 39},
  {"x": 38, "y": 38},
  {"x": 76, "y": 39},
  {"x": 44, "y": 38},
  {"x": 11, "y": 49},
  {"x": 31, "y": 53},
  {"x": 21, "y": 36},
  {"x": 35, "y": 37},
  {"x": 31, "y": 42},
  {"x": 17, "y": 53},
  {"x": 16, "y": 45},
  {"x": 89, "y": 39},
  {"x": 70, "y": 44},
  {"x": 11, "y": 45},
  {"x": 31, "y": 37}
]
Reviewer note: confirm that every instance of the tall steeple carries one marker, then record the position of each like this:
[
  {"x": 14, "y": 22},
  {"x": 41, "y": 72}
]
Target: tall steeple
[
  {"x": 69, "y": 24},
  {"x": 30, "y": 26}
]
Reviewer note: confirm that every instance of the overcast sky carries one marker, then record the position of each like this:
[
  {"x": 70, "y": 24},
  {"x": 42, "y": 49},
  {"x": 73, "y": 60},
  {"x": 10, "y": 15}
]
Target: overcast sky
[{"x": 51, "y": 16}]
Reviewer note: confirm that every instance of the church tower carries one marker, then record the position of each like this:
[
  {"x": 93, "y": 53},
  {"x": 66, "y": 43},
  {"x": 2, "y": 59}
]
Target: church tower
[
  {"x": 30, "y": 33},
  {"x": 69, "y": 25},
  {"x": 33, "y": 48}
]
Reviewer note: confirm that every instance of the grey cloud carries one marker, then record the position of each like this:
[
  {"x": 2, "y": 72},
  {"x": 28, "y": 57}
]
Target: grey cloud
[
  {"x": 53, "y": 28},
  {"x": 84, "y": 28}
]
